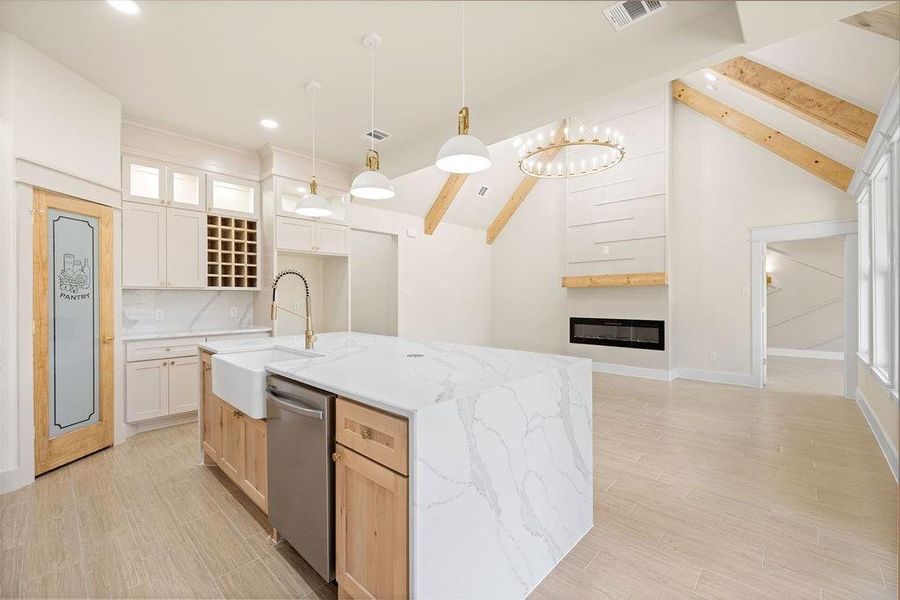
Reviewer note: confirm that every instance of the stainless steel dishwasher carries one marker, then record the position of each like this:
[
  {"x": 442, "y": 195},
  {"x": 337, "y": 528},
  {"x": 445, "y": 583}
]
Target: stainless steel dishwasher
[{"x": 300, "y": 440}]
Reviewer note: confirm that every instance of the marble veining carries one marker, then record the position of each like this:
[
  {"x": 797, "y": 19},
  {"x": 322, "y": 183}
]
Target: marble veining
[
  {"x": 501, "y": 478},
  {"x": 185, "y": 310}
]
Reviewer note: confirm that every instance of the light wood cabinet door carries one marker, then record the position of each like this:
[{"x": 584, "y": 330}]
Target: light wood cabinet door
[
  {"x": 371, "y": 546},
  {"x": 146, "y": 390},
  {"x": 143, "y": 245},
  {"x": 212, "y": 415},
  {"x": 298, "y": 235},
  {"x": 185, "y": 248},
  {"x": 253, "y": 474},
  {"x": 333, "y": 239},
  {"x": 231, "y": 459},
  {"x": 184, "y": 384}
]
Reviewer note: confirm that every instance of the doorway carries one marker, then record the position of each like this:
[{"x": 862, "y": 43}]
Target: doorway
[
  {"x": 803, "y": 302},
  {"x": 73, "y": 329},
  {"x": 373, "y": 282}
]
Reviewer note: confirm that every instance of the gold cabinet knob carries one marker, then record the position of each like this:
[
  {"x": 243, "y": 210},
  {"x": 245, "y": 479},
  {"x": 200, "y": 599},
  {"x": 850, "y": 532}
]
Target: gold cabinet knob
[
  {"x": 366, "y": 433},
  {"x": 336, "y": 456},
  {"x": 107, "y": 339}
]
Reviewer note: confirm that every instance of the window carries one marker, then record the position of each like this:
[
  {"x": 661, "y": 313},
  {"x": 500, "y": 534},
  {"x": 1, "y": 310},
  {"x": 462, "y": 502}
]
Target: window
[
  {"x": 881, "y": 273},
  {"x": 865, "y": 280}
]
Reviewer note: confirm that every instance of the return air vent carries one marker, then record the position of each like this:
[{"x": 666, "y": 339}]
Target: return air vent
[
  {"x": 483, "y": 191},
  {"x": 624, "y": 14},
  {"x": 376, "y": 134}
]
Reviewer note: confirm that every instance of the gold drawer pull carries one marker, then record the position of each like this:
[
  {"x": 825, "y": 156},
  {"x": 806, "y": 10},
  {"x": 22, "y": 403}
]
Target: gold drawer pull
[{"x": 336, "y": 456}]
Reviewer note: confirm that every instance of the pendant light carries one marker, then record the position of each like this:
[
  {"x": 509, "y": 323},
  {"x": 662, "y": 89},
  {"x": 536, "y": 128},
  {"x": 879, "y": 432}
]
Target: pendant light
[
  {"x": 371, "y": 184},
  {"x": 312, "y": 204},
  {"x": 463, "y": 153}
]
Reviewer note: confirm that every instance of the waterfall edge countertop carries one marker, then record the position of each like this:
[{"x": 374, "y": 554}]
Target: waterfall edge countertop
[
  {"x": 397, "y": 374},
  {"x": 500, "y": 451}
]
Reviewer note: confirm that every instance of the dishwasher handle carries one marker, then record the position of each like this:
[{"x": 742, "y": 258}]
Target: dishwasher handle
[{"x": 279, "y": 399}]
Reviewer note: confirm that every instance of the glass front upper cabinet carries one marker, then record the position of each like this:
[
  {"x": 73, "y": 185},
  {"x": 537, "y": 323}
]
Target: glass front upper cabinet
[
  {"x": 232, "y": 195},
  {"x": 184, "y": 187},
  {"x": 144, "y": 180},
  {"x": 289, "y": 191}
]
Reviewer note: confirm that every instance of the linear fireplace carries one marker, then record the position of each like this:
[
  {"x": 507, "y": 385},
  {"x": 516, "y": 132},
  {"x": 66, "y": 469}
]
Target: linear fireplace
[{"x": 624, "y": 333}]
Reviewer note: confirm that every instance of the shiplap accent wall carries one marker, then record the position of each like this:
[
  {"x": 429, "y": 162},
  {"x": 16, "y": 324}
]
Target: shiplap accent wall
[{"x": 616, "y": 221}]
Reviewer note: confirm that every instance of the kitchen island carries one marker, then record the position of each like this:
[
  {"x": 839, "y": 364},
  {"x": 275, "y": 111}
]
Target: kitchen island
[{"x": 500, "y": 451}]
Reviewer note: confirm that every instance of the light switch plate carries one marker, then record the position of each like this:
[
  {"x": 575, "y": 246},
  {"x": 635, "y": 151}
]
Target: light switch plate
[
  {"x": 159, "y": 314},
  {"x": 234, "y": 311}
]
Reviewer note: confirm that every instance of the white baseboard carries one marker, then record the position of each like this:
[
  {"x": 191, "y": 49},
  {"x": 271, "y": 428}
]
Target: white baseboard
[
  {"x": 714, "y": 377},
  {"x": 887, "y": 448},
  {"x": 629, "y": 371},
  {"x": 805, "y": 353},
  {"x": 14, "y": 478}
]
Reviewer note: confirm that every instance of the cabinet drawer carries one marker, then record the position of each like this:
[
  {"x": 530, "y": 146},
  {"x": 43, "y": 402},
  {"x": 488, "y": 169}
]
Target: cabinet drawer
[
  {"x": 373, "y": 433},
  {"x": 154, "y": 349}
]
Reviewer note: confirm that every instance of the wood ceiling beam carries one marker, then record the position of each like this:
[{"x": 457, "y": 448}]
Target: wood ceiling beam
[
  {"x": 883, "y": 21},
  {"x": 443, "y": 201},
  {"x": 522, "y": 190},
  {"x": 838, "y": 116},
  {"x": 773, "y": 140}
]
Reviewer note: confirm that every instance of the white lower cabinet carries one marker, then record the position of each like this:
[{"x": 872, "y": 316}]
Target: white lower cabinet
[
  {"x": 147, "y": 390},
  {"x": 302, "y": 235},
  {"x": 184, "y": 384}
]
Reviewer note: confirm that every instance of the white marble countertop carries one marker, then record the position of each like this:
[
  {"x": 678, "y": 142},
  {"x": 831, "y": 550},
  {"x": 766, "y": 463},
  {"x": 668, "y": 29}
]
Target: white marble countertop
[
  {"x": 165, "y": 335},
  {"x": 397, "y": 374}
]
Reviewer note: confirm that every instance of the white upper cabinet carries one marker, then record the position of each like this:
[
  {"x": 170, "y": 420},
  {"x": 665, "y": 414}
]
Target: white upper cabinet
[
  {"x": 232, "y": 195},
  {"x": 289, "y": 191},
  {"x": 184, "y": 187},
  {"x": 307, "y": 235},
  {"x": 185, "y": 248},
  {"x": 143, "y": 245},
  {"x": 144, "y": 180}
]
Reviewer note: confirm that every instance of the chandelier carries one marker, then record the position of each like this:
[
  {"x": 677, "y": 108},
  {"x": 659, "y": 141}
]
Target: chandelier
[{"x": 585, "y": 153}]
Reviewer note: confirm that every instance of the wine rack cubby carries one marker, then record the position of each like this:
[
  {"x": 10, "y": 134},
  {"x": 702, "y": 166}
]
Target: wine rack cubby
[{"x": 232, "y": 259}]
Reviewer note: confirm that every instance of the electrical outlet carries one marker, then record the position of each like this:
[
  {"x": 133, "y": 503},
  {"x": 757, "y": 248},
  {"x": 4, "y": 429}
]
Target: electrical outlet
[
  {"x": 159, "y": 314},
  {"x": 605, "y": 249},
  {"x": 713, "y": 356},
  {"x": 297, "y": 306},
  {"x": 234, "y": 311}
]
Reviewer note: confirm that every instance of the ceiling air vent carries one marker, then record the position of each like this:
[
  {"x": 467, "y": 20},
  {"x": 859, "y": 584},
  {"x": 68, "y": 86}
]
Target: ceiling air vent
[
  {"x": 624, "y": 14},
  {"x": 483, "y": 191},
  {"x": 376, "y": 134}
]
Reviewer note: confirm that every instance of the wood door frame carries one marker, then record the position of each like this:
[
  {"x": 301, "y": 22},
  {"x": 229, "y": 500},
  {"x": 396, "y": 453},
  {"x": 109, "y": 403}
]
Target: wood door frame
[
  {"x": 759, "y": 236},
  {"x": 49, "y": 454}
]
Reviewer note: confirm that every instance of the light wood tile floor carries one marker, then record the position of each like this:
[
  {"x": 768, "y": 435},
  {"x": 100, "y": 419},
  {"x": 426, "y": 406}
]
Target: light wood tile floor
[
  {"x": 701, "y": 491},
  {"x": 712, "y": 491},
  {"x": 144, "y": 520}
]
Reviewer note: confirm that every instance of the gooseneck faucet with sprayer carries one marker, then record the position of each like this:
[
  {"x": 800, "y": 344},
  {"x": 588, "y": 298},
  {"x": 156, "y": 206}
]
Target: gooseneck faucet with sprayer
[{"x": 310, "y": 335}]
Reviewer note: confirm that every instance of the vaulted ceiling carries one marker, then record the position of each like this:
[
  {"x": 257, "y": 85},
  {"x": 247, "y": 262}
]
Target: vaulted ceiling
[{"x": 215, "y": 69}]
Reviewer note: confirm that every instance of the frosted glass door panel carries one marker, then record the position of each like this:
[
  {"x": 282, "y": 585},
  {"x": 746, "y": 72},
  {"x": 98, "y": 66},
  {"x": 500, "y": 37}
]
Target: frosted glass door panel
[{"x": 73, "y": 321}]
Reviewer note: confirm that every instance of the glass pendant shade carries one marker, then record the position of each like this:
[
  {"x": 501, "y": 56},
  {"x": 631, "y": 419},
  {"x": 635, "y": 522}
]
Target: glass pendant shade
[
  {"x": 463, "y": 153},
  {"x": 312, "y": 204}
]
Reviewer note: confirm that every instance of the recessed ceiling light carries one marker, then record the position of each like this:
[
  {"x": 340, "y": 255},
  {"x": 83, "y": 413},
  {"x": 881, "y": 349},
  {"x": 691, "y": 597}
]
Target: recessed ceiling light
[
  {"x": 129, "y": 7},
  {"x": 710, "y": 76},
  {"x": 269, "y": 123}
]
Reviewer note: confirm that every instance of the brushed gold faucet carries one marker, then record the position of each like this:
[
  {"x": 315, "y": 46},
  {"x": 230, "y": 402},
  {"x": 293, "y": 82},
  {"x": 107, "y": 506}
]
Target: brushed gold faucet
[{"x": 310, "y": 335}]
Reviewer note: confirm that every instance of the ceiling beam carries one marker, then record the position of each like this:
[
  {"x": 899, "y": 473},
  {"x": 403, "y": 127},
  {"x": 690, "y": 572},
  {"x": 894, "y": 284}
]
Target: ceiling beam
[
  {"x": 773, "y": 140},
  {"x": 883, "y": 21},
  {"x": 522, "y": 190},
  {"x": 443, "y": 201},
  {"x": 838, "y": 116}
]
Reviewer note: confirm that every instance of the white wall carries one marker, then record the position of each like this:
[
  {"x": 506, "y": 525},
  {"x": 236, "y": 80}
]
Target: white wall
[
  {"x": 373, "y": 285},
  {"x": 62, "y": 133},
  {"x": 444, "y": 280},
  {"x": 805, "y": 302},
  {"x": 723, "y": 186}
]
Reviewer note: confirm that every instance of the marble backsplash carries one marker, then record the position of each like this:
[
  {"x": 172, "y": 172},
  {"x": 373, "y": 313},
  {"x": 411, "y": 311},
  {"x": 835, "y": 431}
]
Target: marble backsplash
[{"x": 185, "y": 310}]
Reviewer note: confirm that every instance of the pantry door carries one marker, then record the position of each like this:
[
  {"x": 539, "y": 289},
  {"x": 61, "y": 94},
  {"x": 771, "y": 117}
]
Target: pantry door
[{"x": 73, "y": 329}]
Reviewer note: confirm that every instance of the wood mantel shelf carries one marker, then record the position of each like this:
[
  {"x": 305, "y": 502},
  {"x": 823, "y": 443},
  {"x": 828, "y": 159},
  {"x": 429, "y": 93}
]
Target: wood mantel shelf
[{"x": 622, "y": 280}]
